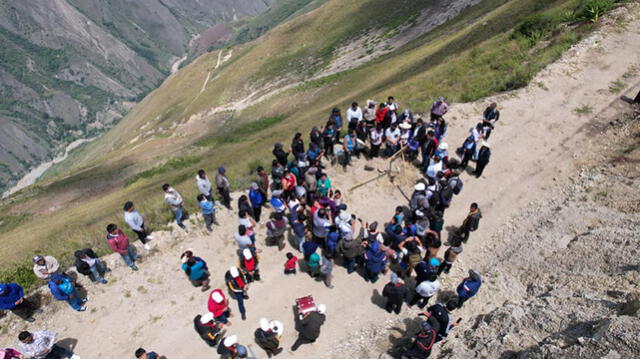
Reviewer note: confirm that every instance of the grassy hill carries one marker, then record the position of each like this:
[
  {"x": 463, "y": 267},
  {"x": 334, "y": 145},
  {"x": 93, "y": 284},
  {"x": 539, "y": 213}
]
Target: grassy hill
[{"x": 270, "y": 88}]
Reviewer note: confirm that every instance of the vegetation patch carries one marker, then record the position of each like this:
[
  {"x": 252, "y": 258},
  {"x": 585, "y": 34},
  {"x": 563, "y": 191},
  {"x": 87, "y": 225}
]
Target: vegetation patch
[
  {"x": 240, "y": 133},
  {"x": 170, "y": 166}
]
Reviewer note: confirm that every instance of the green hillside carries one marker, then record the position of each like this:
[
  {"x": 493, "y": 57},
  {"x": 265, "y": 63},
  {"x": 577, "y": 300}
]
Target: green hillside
[{"x": 494, "y": 46}]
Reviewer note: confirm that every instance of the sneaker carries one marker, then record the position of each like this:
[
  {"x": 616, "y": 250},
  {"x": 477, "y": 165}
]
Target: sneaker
[
  {"x": 82, "y": 309},
  {"x": 151, "y": 238},
  {"x": 147, "y": 246},
  {"x": 134, "y": 267},
  {"x": 38, "y": 311},
  {"x": 84, "y": 300},
  {"x": 244, "y": 316},
  {"x": 104, "y": 281},
  {"x": 278, "y": 351},
  {"x": 30, "y": 320},
  {"x": 75, "y": 356}
]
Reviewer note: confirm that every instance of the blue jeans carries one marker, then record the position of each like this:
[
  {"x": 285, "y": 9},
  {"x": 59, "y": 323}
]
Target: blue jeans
[
  {"x": 223, "y": 318},
  {"x": 178, "y": 214},
  {"x": 74, "y": 300},
  {"x": 97, "y": 270},
  {"x": 129, "y": 257},
  {"x": 240, "y": 299}
]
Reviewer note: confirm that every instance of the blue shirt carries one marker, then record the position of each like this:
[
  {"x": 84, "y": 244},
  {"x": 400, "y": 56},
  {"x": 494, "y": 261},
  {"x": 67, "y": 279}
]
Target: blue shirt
[
  {"x": 309, "y": 247},
  {"x": 256, "y": 198},
  {"x": 298, "y": 229},
  {"x": 197, "y": 270},
  {"x": 13, "y": 293},
  {"x": 207, "y": 207},
  {"x": 468, "y": 288}
]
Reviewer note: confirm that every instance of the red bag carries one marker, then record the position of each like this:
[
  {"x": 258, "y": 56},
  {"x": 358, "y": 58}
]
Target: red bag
[{"x": 306, "y": 305}]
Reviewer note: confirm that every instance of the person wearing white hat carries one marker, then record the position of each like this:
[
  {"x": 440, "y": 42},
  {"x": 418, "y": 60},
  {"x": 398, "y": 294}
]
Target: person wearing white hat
[
  {"x": 249, "y": 264},
  {"x": 238, "y": 285},
  {"x": 310, "y": 325},
  {"x": 45, "y": 266},
  {"x": 208, "y": 328},
  {"x": 230, "y": 349},
  {"x": 219, "y": 306},
  {"x": 268, "y": 338}
]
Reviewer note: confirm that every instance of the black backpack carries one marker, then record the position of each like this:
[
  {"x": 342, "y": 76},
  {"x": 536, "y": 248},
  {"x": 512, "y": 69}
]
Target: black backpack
[{"x": 456, "y": 184}]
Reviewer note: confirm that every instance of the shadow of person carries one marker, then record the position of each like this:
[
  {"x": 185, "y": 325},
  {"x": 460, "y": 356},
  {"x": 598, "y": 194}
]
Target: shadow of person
[
  {"x": 452, "y": 238},
  {"x": 378, "y": 299},
  {"x": 68, "y": 344}
]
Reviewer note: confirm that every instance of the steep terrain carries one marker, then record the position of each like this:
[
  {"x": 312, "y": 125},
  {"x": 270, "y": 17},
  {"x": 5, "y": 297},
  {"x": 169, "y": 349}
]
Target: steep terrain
[
  {"x": 71, "y": 68},
  {"x": 557, "y": 246}
]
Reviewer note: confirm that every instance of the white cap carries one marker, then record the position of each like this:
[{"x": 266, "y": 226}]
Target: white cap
[
  {"x": 405, "y": 126},
  {"x": 322, "y": 308},
  {"x": 217, "y": 297},
  {"x": 234, "y": 272},
  {"x": 420, "y": 186},
  {"x": 344, "y": 216},
  {"x": 277, "y": 326},
  {"x": 247, "y": 254},
  {"x": 443, "y": 146},
  {"x": 206, "y": 317},
  {"x": 264, "y": 324},
  {"x": 230, "y": 340}
]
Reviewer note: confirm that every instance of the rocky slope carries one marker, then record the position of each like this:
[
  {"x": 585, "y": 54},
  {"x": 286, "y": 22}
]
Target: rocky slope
[{"x": 70, "y": 68}]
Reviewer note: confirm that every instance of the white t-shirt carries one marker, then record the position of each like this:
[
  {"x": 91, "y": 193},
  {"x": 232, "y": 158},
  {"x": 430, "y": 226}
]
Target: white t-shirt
[
  {"x": 376, "y": 137},
  {"x": 392, "y": 135},
  {"x": 427, "y": 288},
  {"x": 351, "y": 113}
]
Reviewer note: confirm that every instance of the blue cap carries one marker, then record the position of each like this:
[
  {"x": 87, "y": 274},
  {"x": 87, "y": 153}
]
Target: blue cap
[
  {"x": 221, "y": 170},
  {"x": 3, "y": 287},
  {"x": 242, "y": 351},
  {"x": 434, "y": 262}
]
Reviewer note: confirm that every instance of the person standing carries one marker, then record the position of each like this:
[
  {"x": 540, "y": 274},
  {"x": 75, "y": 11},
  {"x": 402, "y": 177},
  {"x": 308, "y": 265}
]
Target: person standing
[
  {"x": 42, "y": 345},
  {"x": 424, "y": 291},
  {"x": 208, "y": 328},
  {"x": 375, "y": 262},
  {"x": 249, "y": 264},
  {"x": 438, "y": 109},
  {"x": 262, "y": 179},
  {"x": 12, "y": 298},
  {"x": 208, "y": 210},
  {"x": 174, "y": 200},
  {"x": 224, "y": 187},
  {"x": 257, "y": 200},
  {"x": 276, "y": 228},
  {"x": 350, "y": 249},
  {"x": 204, "y": 185},
  {"x": 484, "y": 155},
  {"x": 119, "y": 243},
  {"x": 88, "y": 263},
  {"x": 268, "y": 337},
  {"x": 310, "y": 325},
  {"x": 392, "y": 138},
  {"x": 63, "y": 288},
  {"x": 326, "y": 269},
  {"x": 490, "y": 116},
  {"x": 469, "y": 287},
  {"x": 219, "y": 306},
  {"x": 238, "y": 285},
  {"x": 470, "y": 223},
  {"x": 354, "y": 115},
  {"x": 45, "y": 266},
  {"x": 396, "y": 293},
  {"x": 136, "y": 223},
  {"x": 375, "y": 136},
  {"x": 440, "y": 313},
  {"x": 450, "y": 256}
]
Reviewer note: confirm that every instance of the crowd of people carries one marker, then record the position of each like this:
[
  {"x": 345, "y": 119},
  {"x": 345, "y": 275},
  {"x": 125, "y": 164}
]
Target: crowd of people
[{"x": 301, "y": 199}]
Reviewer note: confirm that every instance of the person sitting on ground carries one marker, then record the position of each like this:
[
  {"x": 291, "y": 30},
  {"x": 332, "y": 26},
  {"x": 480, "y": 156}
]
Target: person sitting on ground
[
  {"x": 310, "y": 327},
  {"x": 45, "y": 266},
  {"x": 88, "y": 263},
  {"x": 392, "y": 140},
  {"x": 376, "y": 135},
  {"x": 64, "y": 288},
  {"x": 12, "y": 298},
  {"x": 396, "y": 293},
  {"x": 143, "y": 354},
  {"x": 219, "y": 306},
  {"x": 174, "y": 200},
  {"x": 208, "y": 210},
  {"x": 119, "y": 243},
  {"x": 41, "y": 344},
  {"x": 470, "y": 223},
  {"x": 276, "y": 228},
  {"x": 469, "y": 287},
  {"x": 210, "y": 331},
  {"x": 249, "y": 264},
  {"x": 268, "y": 336},
  {"x": 423, "y": 341},
  {"x": 136, "y": 223},
  {"x": 290, "y": 264},
  {"x": 238, "y": 286},
  {"x": 196, "y": 270}
]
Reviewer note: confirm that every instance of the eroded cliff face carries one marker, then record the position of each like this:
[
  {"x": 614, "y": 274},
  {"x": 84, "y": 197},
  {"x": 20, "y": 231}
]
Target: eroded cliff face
[{"x": 71, "y": 68}]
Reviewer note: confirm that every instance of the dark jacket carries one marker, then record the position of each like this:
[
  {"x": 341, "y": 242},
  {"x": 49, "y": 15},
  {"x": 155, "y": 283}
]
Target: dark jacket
[
  {"x": 81, "y": 266},
  {"x": 267, "y": 340},
  {"x": 350, "y": 248},
  {"x": 484, "y": 154},
  {"x": 395, "y": 293},
  {"x": 469, "y": 287},
  {"x": 210, "y": 335},
  {"x": 310, "y": 325},
  {"x": 12, "y": 294},
  {"x": 375, "y": 258},
  {"x": 440, "y": 314}
]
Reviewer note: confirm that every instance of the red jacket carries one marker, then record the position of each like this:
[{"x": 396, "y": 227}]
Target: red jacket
[
  {"x": 217, "y": 308},
  {"x": 381, "y": 113},
  {"x": 119, "y": 242}
]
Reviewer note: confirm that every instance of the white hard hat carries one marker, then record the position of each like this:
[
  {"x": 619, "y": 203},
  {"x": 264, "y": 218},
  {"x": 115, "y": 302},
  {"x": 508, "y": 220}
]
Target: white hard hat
[
  {"x": 217, "y": 297},
  {"x": 322, "y": 308},
  {"x": 443, "y": 146},
  {"x": 234, "y": 271},
  {"x": 206, "y": 317},
  {"x": 247, "y": 254},
  {"x": 230, "y": 340},
  {"x": 264, "y": 324},
  {"x": 277, "y": 326},
  {"x": 420, "y": 186}
]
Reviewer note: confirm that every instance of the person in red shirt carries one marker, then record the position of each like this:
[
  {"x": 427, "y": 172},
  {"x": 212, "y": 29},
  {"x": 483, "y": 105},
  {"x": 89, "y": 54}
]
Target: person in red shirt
[
  {"x": 249, "y": 264},
  {"x": 119, "y": 243},
  {"x": 219, "y": 306},
  {"x": 290, "y": 264},
  {"x": 289, "y": 183}
]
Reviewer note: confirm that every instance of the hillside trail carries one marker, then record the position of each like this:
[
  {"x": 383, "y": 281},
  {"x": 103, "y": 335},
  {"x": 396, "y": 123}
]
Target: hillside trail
[{"x": 534, "y": 145}]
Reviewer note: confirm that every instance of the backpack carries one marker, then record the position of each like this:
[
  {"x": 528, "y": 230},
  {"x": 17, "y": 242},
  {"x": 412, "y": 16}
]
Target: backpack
[
  {"x": 474, "y": 222},
  {"x": 446, "y": 195},
  {"x": 457, "y": 185}
]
